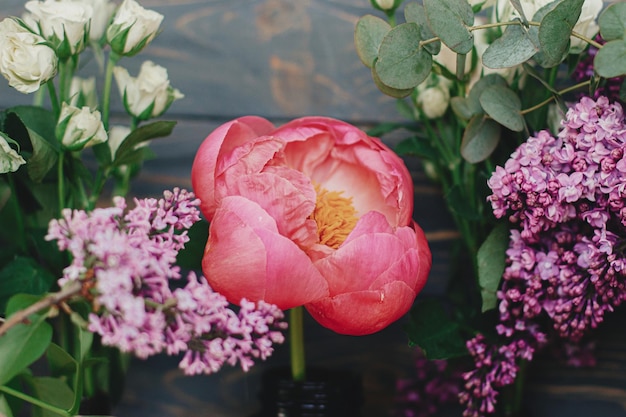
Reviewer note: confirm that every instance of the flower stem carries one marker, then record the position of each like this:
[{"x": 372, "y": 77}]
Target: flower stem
[
  {"x": 54, "y": 99},
  {"x": 296, "y": 339},
  {"x": 61, "y": 182},
  {"x": 34, "y": 401},
  {"x": 106, "y": 93},
  {"x": 19, "y": 215}
]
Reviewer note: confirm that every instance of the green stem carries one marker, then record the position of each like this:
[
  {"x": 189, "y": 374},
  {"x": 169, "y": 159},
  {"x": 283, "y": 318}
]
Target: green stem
[
  {"x": 35, "y": 401},
  {"x": 61, "y": 182},
  {"x": 561, "y": 92},
  {"x": 106, "y": 93},
  {"x": 54, "y": 99},
  {"x": 101, "y": 176},
  {"x": 296, "y": 339}
]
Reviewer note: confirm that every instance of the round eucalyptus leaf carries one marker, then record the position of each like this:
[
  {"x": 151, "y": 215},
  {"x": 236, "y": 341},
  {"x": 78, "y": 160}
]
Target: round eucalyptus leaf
[
  {"x": 556, "y": 29},
  {"x": 480, "y": 139},
  {"x": 473, "y": 99},
  {"x": 613, "y": 22},
  {"x": 461, "y": 108},
  {"x": 514, "y": 47},
  {"x": 402, "y": 63},
  {"x": 390, "y": 91},
  {"x": 368, "y": 35},
  {"x": 610, "y": 61},
  {"x": 504, "y": 106},
  {"x": 449, "y": 19},
  {"x": 414, "y": 12}
]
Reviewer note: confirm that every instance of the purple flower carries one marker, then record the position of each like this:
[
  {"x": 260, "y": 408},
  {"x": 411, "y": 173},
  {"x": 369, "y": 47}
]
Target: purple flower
[{"x": 126, "y": 259}]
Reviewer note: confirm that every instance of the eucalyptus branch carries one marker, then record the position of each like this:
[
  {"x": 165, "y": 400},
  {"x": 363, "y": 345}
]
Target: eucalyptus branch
[
  {"x": 21, "y": 316},
  {"x": 549, "y": 99}
]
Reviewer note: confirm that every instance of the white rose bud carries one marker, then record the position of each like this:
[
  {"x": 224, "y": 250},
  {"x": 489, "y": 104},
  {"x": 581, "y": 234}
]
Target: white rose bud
[
  {"x": 79, "y": 128},
  {"x": 586, "y": 25},
  {"x": 117, "y": 134},
  {"x": 133, "y": 27},
  {"x": 148, "y": 95},
  {"x": 83, "y": 92},
  {"x": 10, "y": 160},
  {"x": 64, "y": 23},
  {"x": 102, "y": 12},
  {"x": 25, "y": 61},
  {"x": 384, "y": 4},
  {"x": 433, "y": 99}
]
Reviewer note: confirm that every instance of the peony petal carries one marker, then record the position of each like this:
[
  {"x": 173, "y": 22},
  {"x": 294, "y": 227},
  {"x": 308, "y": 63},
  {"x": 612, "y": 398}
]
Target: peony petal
[
  {"x": 246, "y": 257},
  {"x": 287, "y": 196},
  {"x": 364, "y": 312},
  {"x": 223, "y": 139}
]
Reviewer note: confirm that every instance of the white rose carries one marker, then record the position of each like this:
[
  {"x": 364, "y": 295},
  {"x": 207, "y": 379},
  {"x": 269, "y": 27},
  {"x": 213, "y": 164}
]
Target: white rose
[
  {"x": 102, "y": 12},
  {"x": 586, "y": 25},
  {"x": 10, "y": 160},
  {"x": 133, "y": 27},
  {"x": 433, "y": 98},
  {"x": 117, "y": 134},
  {"x": 83, "y": 92},
  {"x": 25, "y": 61},
  {"x": 78, "y": 128},
  {"x": 148, "y": 95},
  {"x": 64, "y": 23},
  {"x": 384, "y": 4}
]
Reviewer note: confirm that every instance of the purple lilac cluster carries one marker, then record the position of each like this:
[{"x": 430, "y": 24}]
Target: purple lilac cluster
[
  {"x": 433, "y": 385},
  {"x": 584, "y": 71},
  {"x": 126, "y": 259},
  {"x": 565, "y": 197}
]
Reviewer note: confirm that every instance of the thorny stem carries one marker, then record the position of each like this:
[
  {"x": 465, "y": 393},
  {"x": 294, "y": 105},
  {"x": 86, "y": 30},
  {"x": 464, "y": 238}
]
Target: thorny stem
[{"x": 21, "y": 316}]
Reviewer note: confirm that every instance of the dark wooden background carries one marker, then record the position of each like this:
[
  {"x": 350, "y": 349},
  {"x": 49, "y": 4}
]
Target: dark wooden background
[{"x": 282, "y": 59}]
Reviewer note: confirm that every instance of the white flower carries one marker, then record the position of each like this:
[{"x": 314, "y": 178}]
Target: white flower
[
  {"x": 65, "y": 23},
  {"x": 148, "y": 95},
  {"x": 384, "y": 4},
  {"x": 117, "y": 134},
  {"x": 433, "y": 97},
  {"x": 83, "y": 92},
  {"x": 10, "y": 160},
  {"x": 102, "y": 12},
  {"x": 586, "y": 25},
  {"x": 78, "y": 128},
  {"x": 25, "y": 61},
  {"x": 133, "y": 27}
]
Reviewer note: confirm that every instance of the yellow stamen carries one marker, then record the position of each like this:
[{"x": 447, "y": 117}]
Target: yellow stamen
[{"x": 335, "y": 216}]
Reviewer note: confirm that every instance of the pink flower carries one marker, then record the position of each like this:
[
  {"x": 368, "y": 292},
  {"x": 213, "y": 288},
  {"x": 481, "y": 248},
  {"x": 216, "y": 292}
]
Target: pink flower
[{"x": 312, "y": 213}]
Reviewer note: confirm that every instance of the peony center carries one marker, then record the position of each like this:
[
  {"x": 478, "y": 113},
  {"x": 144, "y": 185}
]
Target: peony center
[{"x": 335, "y": 216}]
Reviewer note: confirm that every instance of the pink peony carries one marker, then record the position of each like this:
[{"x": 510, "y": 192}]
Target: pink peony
[{"x": 312, "y": 213}]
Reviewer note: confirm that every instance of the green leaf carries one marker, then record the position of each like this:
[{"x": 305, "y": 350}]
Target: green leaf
[
  {"x": 456, "y": 200},
  {"x": 520, "y": 10},
  {"x": 5, "y": 409},
  {"x": 53, "y": 391},
  {"x": 480, "y": 139},
  {"x": 143, "y": 133},
  {"x": 23, "y": 275},
  {"x": 5, "y": 194},
  {"x": 610, "y": 61},
  {"x": 472, "y": 104},
  {"x": 556, "y": 29},
  {"x": 417, "y": 147},
  {"x": 491, "y": 258},
  {"x": 191, "y": 256},
  {"x": 414, "y": 12},
  {"x": 612, "y": 22},
  {"x": 368, "y": 35},
  {"x": 40, "y": 125},
  {"x": 23, "y": 344},
  {"x": 504, "y": 106},
  {"x": 60, "y": 362},
  {"x": 434, "y": 332},
  {"x": 449, "y": 19},
  {"x": 514, "y": 47},
  {"x": 460, "y": 107},
  {"x": 402, "y": 63}
]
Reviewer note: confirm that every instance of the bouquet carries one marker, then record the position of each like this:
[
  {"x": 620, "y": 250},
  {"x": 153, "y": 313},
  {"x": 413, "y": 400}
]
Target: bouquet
[
  {"x": 87, "y": 276},
  {"x": 515, "y": 109}
]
